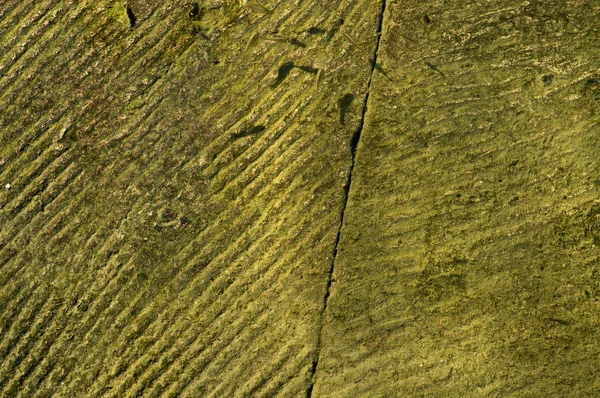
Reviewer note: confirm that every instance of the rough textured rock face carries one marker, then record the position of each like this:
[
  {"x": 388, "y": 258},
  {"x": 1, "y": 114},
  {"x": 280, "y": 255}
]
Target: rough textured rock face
[
  {"x": 468, "y": 259},
  {"x": 354, "y": 198}
]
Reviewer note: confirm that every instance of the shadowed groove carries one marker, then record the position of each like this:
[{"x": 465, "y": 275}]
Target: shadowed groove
[
  {"x": 9, "y": 337},
  {"x": 42, "y": 177},
  {"x": 173, "y": 322},
  {"x": 16, "y": 233},
  {"x": 98, "y": 307},
  {"x": 7, "y": 11},
  {"x": 92, "y": 51},
  {"x": 32, "y": 319},
  {"x": 48, "y": 54},
  {"x": 282, "y": 380},
  {"x": 260, "y": 188},
  {"x": 216, "y": 349},
  {"x": 276, "y": 363},
  {"x": 38, "y": 350},
  {"x": 184, "y": 380},
  {"x": 13, "y": 36},
  {"x": 225, "y": 82}
]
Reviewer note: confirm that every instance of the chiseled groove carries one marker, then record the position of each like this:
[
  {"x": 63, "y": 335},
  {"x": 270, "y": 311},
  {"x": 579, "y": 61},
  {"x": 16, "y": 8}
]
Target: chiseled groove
[
  {"x": 215, "y": 358},
  {"x": 26, "y": 42},
  {"x": 273, "y": 53},
  {"x": 253, "y": 147},
  {"x": 139, "y": 33},
  {"x": 45, "y": 158},
  {"x": 22, "y": 318},
  {"x": 63, "y": 180},
  {"x": 223, "y": 142},
  {"x": 42, "y": 176},
  {"x": 102, "y": 298},
  {"x": 16, "y": 346},
  {"x": 280, "y": 21},
  {"x": 148, "y": 43},
  {"x": 260, "y": 322},
  {"x": 274, "y": 365},
  {"x": 35, "y": 63},
  {"x": 154, "y": 47},
  {"x": 47, "y": 339},
  {"x": 104, "y": 317},
  {"x": 90, "y": 312},
  {"x": 6, "y": 256},
  {"x": 361, "y": 366},
  {"x": 9, "y": 308},
  {"x": 17, "y": 233},
  {"x": 315, "y": 17},
  {"x": 7, "y": 16},
  {"x": 188, "y": 356},
  {"x": 154, "y": 105},
  {"x": 14, "y": 38},
  {"x": 35, "y": 134},
  {"x": 258, "y": 88},
  {"x": 140, "y": 128},
  {"x": 8, "y": 282},
  {"x": 51, "y": 342},
  {"x": 249, "y": 186},
  {"x": 42, "y": 370},
  {"x": 477, "y": 17},
  {"x": 135, "y": 126},
  {"x": 162, "y": 332},
  {"x": 12, "y": 272},
  {"x": 79, "y": 222},
  {"x": 265, "y": 156},
  {"x": 294, "y": 384},
  {"x": 90, "y": 53},
  {"x": 38, "y": 349},
  {"x": 299, "y": 161},
  {"x": 108, "y": 240},
  {"x": 67, "y": 228},
  {"x": 280, "y": 382},
  {"x": 276, "y": 362},
  {"x": 20, "y": 296}
]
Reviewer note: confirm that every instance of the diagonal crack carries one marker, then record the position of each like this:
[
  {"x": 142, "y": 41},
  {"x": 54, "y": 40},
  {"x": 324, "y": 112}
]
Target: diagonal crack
[{"x": 353, "y": 146}]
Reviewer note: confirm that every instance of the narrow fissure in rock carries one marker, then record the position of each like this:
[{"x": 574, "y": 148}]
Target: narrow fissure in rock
[{"x": 353, "y": 146}]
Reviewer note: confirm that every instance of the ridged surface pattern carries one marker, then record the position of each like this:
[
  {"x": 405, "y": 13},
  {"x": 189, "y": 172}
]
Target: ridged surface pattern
[
  {"x": 174, "y": 196},
  {"x": 299, "y": 199},
  {"x": 469, "y": 256}
]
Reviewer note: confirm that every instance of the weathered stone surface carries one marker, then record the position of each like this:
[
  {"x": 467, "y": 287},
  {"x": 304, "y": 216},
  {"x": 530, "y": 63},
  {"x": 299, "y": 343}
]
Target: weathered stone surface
[
  {"x": 202, "y": 199},
  {"x": 175, "y": 196},
  {"x": 468, "y": 259}
]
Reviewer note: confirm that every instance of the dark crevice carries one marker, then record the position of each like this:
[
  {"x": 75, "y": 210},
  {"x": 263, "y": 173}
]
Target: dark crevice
[
  {"x": 131, "y": 17},
  {"x": 353, "y": 146}
]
